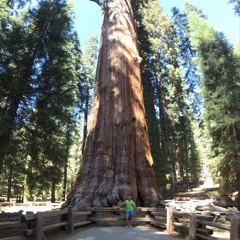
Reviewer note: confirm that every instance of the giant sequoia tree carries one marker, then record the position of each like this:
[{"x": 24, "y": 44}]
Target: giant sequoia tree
[{"x": 117, "y": 158}]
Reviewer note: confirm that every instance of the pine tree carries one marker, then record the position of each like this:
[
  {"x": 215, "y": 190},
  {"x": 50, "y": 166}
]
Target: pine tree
[
  {"x": 86, "y": 85},
  {"x": 186, "y": 56},
  {"x": 219, "y": 66},
  {"x": 149, "y": 89},
  {"x": 55, "y": 94},
  {"x": 17, "y": 59},
  {"x": 236, "y": 7},
  {"x": 162, "y": 49}
]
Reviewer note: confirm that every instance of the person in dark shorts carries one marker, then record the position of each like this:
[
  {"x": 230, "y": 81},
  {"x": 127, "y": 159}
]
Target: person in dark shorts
[{"x": 130, "y": 207}]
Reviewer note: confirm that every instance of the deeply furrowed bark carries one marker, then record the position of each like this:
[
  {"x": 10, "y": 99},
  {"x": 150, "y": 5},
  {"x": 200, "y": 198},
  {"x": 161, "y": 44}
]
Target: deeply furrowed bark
[{"x": 117, "y": 158}]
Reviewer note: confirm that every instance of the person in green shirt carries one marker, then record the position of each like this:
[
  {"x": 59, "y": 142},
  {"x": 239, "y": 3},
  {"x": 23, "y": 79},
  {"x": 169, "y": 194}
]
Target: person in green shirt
[{"x": 130, "y": 207}]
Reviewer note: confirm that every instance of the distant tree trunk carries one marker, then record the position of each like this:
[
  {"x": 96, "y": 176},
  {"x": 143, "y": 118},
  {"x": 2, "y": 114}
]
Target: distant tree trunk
[
  {"x": 10, "y": 177},
  {"x": 117, "y": 158},
  {"x": 86, "y": 113},
  {"x": 6, "y": 134},
  {"x": 167, "y": 143},
  {"x": 65, "y": 172},
  {"x": 237, "y": 131},
  {"x": 64, "y": 180},
  {"x": 53, "y": 195}
]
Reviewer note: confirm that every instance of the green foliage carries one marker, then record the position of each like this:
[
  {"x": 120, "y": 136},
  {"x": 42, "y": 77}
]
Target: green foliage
[
  {"x": 40, "y": 60},
  {"x": 186, "y": 55},
  {"x": 190, "y": 75},
  {"x": 16, "y": 59},
  {"x": 88, "y": 72},
  {"x": 218, "y": 65},
  {"x": 184, "y": 232},
  {"x": 236, "y": 6},
  {"x": 147, "y": 15},
  {"x": 55, "y": 89},
  {"x": 168, "y": 114}
]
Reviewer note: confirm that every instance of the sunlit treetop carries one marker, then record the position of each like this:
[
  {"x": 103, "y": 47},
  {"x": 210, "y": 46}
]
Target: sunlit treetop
[{"x": 236, "y": 7}]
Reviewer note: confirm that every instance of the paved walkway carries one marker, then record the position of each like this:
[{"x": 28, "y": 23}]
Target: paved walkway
[{"x": 116, "y": 233}]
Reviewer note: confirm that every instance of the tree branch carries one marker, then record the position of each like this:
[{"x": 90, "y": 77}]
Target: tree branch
[{"x": 97, "y": 2}]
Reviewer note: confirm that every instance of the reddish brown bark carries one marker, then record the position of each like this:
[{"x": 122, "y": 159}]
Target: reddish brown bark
[{"x": 117, "y": 158}]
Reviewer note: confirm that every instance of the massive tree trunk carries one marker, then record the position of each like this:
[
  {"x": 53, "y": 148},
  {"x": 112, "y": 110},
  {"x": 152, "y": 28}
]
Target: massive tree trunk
[{"x": 117, "y": 158}]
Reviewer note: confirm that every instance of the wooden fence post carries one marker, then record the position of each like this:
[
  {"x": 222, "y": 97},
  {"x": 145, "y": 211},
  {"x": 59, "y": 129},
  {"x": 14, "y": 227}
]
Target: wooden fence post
[
  {"x": 193, "y": 226},
  {"x": 169, "y": 220},
  {"x": 234, "y": 228},
  {"x": 39, "y": 226},
  {"x": 70, "y": 220}
]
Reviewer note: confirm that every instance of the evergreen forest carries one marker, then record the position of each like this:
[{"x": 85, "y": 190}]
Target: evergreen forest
[{"x": 191, "y": 86}]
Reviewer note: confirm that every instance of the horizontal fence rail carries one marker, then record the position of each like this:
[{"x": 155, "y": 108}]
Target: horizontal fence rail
[{"x": 166, "y": 218}]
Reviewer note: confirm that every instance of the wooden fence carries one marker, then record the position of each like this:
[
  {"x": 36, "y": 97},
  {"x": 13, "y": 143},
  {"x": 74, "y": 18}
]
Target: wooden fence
[{"x": 195, "y": 224}]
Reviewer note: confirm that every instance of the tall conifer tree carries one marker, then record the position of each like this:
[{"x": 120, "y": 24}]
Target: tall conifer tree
[
  {"x": 88, "y": 74},
  {"x": 55, "y": 92},
  {"x": 160, "y": 44},
  {"x": 219, "y": 68}
]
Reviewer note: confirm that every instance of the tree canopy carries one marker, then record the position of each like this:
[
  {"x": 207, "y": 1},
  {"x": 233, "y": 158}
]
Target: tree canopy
[{"x": 189, "y": 79}]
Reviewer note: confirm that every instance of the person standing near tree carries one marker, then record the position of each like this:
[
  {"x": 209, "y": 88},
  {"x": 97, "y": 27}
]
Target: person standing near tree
[{"x": 129, "y": 212}]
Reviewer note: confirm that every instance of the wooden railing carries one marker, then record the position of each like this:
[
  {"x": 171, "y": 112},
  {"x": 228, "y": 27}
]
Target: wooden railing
[
  {"x": 67, "y": 221},
  {"x": 96, "y": 216},
  {"x": 28, "y": 204},
  {"x": 197, "y": 225},
  {"x": 168, "y": 219}
]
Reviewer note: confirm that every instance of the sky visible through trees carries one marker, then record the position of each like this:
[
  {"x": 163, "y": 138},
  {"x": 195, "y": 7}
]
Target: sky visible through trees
[
  {"x": 220, "y": 15},
  {"x": 190, "y": 75}
]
